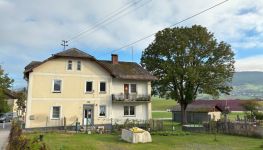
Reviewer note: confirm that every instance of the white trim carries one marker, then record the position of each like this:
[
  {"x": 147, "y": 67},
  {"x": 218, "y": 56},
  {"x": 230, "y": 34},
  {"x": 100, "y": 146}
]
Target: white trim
[
  {"x": 70, "y": 75},
  {"x": 53, "y": 84},
  {"x": 60, "y": 112},
  {"x": 92, "y": 89}
]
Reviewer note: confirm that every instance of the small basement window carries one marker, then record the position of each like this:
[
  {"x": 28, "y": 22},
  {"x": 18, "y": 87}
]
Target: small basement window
[{"x": 55, "y": 112}]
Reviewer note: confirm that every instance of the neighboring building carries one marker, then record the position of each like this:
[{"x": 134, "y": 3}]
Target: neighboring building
[
  {"x": 77, "y": 86},
  {"x": 205, "y": 110},
  {"x": 11, "y": 99}
]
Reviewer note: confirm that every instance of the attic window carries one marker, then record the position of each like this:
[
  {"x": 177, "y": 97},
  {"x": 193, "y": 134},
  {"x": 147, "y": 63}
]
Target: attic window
[
  {"x": 79, "y": 65},
  {"x": 69, "y": 65}
]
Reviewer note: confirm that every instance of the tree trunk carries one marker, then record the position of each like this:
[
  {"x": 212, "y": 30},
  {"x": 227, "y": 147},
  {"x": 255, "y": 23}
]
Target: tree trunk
[{"x": 183, "y": 114}]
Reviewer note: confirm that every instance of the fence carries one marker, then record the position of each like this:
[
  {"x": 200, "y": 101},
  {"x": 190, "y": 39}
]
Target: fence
[{"x": 243, "y": 128}]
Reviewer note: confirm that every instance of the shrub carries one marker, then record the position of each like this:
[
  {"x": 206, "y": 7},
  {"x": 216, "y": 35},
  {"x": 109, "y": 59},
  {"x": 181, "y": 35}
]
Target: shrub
[
  {"x": 259, "y": 115},
  {"x": 170, "y": 133},
  {"x": 17, "y": 141}
]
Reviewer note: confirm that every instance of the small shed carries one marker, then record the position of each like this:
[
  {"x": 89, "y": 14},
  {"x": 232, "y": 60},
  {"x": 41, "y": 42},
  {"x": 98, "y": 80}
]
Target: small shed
[
  {"x": 197, "y": 114},
  {"x": 205, "y": 110}
]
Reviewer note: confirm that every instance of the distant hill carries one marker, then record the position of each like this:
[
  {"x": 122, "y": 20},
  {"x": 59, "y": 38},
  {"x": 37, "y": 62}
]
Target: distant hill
[{"x": 246, "y": 85}]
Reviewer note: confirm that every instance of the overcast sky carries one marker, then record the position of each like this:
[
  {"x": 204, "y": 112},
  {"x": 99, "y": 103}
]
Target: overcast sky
[{"x": 33, "y": 29}]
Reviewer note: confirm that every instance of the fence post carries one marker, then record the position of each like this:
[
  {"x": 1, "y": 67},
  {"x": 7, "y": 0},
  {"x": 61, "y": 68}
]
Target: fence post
[
  {"x": 46, "y": 122},
  {"x": 65, "y": 124}
]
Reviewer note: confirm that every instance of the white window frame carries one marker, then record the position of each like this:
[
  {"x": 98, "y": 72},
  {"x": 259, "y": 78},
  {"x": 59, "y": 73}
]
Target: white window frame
[
  {"x": 79, "y": 62},
  {"x": 53, "y": 86},
  {"x": 129, "y": 111},
  {"x": 103, "y": 92},
  {"x": 85, "y": 87},
  {"x": 105, "y": 111},
  {"x": 71, "y": 65},
  {"x": 60, "y": 112}
]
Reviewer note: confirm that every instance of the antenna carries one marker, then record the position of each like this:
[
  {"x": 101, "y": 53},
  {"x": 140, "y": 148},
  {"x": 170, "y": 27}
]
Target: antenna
[{"x": 64, "y": 44}]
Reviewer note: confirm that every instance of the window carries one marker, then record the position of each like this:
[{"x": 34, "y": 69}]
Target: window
[
  {"x": 133, "y": 88},
  {"x": 102, "y": 111},
  {"x": 55, "y": 112},
  {"x": 79, "y": 65},
  {"x": 102, "y": 86},
  {"x": 69, "y": 65},
  {"x": 57, "y": 86},
  {"x": 129, "y": 110},
  {"x": 89, "y": 86}
]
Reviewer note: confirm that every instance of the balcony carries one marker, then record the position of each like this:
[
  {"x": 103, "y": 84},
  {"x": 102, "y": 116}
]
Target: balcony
[{"x": 130, "y": 98}]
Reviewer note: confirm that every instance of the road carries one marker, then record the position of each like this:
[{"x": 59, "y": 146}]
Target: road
[{"x": 4, "y": 133}]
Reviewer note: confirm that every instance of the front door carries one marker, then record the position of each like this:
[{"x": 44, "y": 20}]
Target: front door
[
  {"x": 126, "y": 91},
  {"x": 88, "y": 115}
]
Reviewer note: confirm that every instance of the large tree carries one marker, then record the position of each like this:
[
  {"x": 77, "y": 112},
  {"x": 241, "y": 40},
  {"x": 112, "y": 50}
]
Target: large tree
[
  {"x": 188, "y": 61},
  {"x": 5, "y": 83}
]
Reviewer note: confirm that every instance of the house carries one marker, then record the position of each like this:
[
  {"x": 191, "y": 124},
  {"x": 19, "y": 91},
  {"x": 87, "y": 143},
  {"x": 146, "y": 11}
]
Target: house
[
  {"x": 75, "y": 85},
  {"x": 11, "y": 98},
  {"x": 205, "y": 110}
]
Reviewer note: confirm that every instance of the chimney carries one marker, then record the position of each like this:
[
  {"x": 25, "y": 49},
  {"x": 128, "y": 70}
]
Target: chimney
[{"x": 114, "y": 59}]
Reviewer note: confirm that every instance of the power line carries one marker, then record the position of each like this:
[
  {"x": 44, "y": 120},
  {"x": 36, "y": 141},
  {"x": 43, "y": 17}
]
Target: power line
[
  {"x": 188, "y": 18},
  {"x": 106, "y": 19}
]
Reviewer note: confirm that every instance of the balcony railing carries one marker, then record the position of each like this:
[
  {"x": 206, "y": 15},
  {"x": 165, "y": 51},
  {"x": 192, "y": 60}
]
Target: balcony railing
[{"x": 130, "y": 98}]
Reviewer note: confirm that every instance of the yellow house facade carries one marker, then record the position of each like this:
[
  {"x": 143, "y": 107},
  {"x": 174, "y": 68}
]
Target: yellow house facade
[{"x": 74, "y": 86}]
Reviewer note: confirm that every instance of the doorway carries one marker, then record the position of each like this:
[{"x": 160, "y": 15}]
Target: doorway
[
  {"x": 126, "y": 91},
  {"x": 88, "y": 114}
]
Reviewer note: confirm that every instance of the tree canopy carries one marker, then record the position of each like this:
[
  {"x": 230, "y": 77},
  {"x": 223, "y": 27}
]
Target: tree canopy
[
  {"x": 188, "y": 61},
  {"x": 5, "y": 83}
]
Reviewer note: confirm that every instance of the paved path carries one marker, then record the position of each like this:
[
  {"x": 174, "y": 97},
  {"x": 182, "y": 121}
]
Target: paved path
[{"x": 4, "y": 133}]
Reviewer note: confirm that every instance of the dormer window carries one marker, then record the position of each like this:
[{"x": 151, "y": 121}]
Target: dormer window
[
  {"x": 78, "y": 65},
  {"x": 69, "y": 67}
]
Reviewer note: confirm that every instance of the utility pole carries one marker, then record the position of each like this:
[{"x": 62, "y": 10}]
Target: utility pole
[{"x": 64, "y": 44}]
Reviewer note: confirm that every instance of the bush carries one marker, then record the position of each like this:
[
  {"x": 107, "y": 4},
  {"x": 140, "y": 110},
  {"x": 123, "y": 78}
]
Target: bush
[
  {"x": 259, "y": 115},
  {"x": 170, "y": 133},
  {"x": 17, "y": 141}
]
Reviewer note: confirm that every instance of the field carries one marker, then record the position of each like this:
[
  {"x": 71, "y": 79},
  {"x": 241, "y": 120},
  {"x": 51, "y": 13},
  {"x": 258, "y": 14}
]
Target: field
[
  {"x": 157, "y": 114},
  {"x": 161, "y": 104},
  {"x": 61, "y": 141}
]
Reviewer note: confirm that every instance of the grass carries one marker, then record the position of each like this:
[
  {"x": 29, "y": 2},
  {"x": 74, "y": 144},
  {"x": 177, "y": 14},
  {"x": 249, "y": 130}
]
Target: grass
[
  {"x": 161, "y": 115},
  {"x": 60, "y": 141},
  {"x": 161, "y": 104}
]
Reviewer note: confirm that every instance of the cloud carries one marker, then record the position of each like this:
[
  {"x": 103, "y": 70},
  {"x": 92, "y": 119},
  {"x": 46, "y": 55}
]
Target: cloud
[{"x": 254, "y": 63}]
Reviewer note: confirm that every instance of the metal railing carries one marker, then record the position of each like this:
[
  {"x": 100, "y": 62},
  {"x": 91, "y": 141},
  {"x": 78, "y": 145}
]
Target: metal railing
[{"x": 130, "y": 98}]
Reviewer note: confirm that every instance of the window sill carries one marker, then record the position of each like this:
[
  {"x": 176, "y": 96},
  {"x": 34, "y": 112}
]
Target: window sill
[
  {"x": 56, "y": 92},
  {"x": 91, "y": 92},
  {"x": 102, "y": 117},
  {"x": 129, "y": 116},
  {"x": 55, "y": 119},
  {"x": 103, "y": 92}
]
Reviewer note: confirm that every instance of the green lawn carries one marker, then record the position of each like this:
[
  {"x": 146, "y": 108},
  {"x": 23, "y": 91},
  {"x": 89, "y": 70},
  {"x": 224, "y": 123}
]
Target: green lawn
[
  {"x": 60, "y": 141},
  {"x": 162, "y": 104},
  {"x": 161, "y": 115}
]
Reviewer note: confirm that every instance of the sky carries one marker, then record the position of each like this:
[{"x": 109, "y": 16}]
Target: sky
[{"x": 33, "y": 29}]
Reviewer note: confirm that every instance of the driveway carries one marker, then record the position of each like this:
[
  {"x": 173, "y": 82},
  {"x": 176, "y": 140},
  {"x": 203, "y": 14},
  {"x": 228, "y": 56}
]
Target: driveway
[{"x": 4, "y": 133}]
